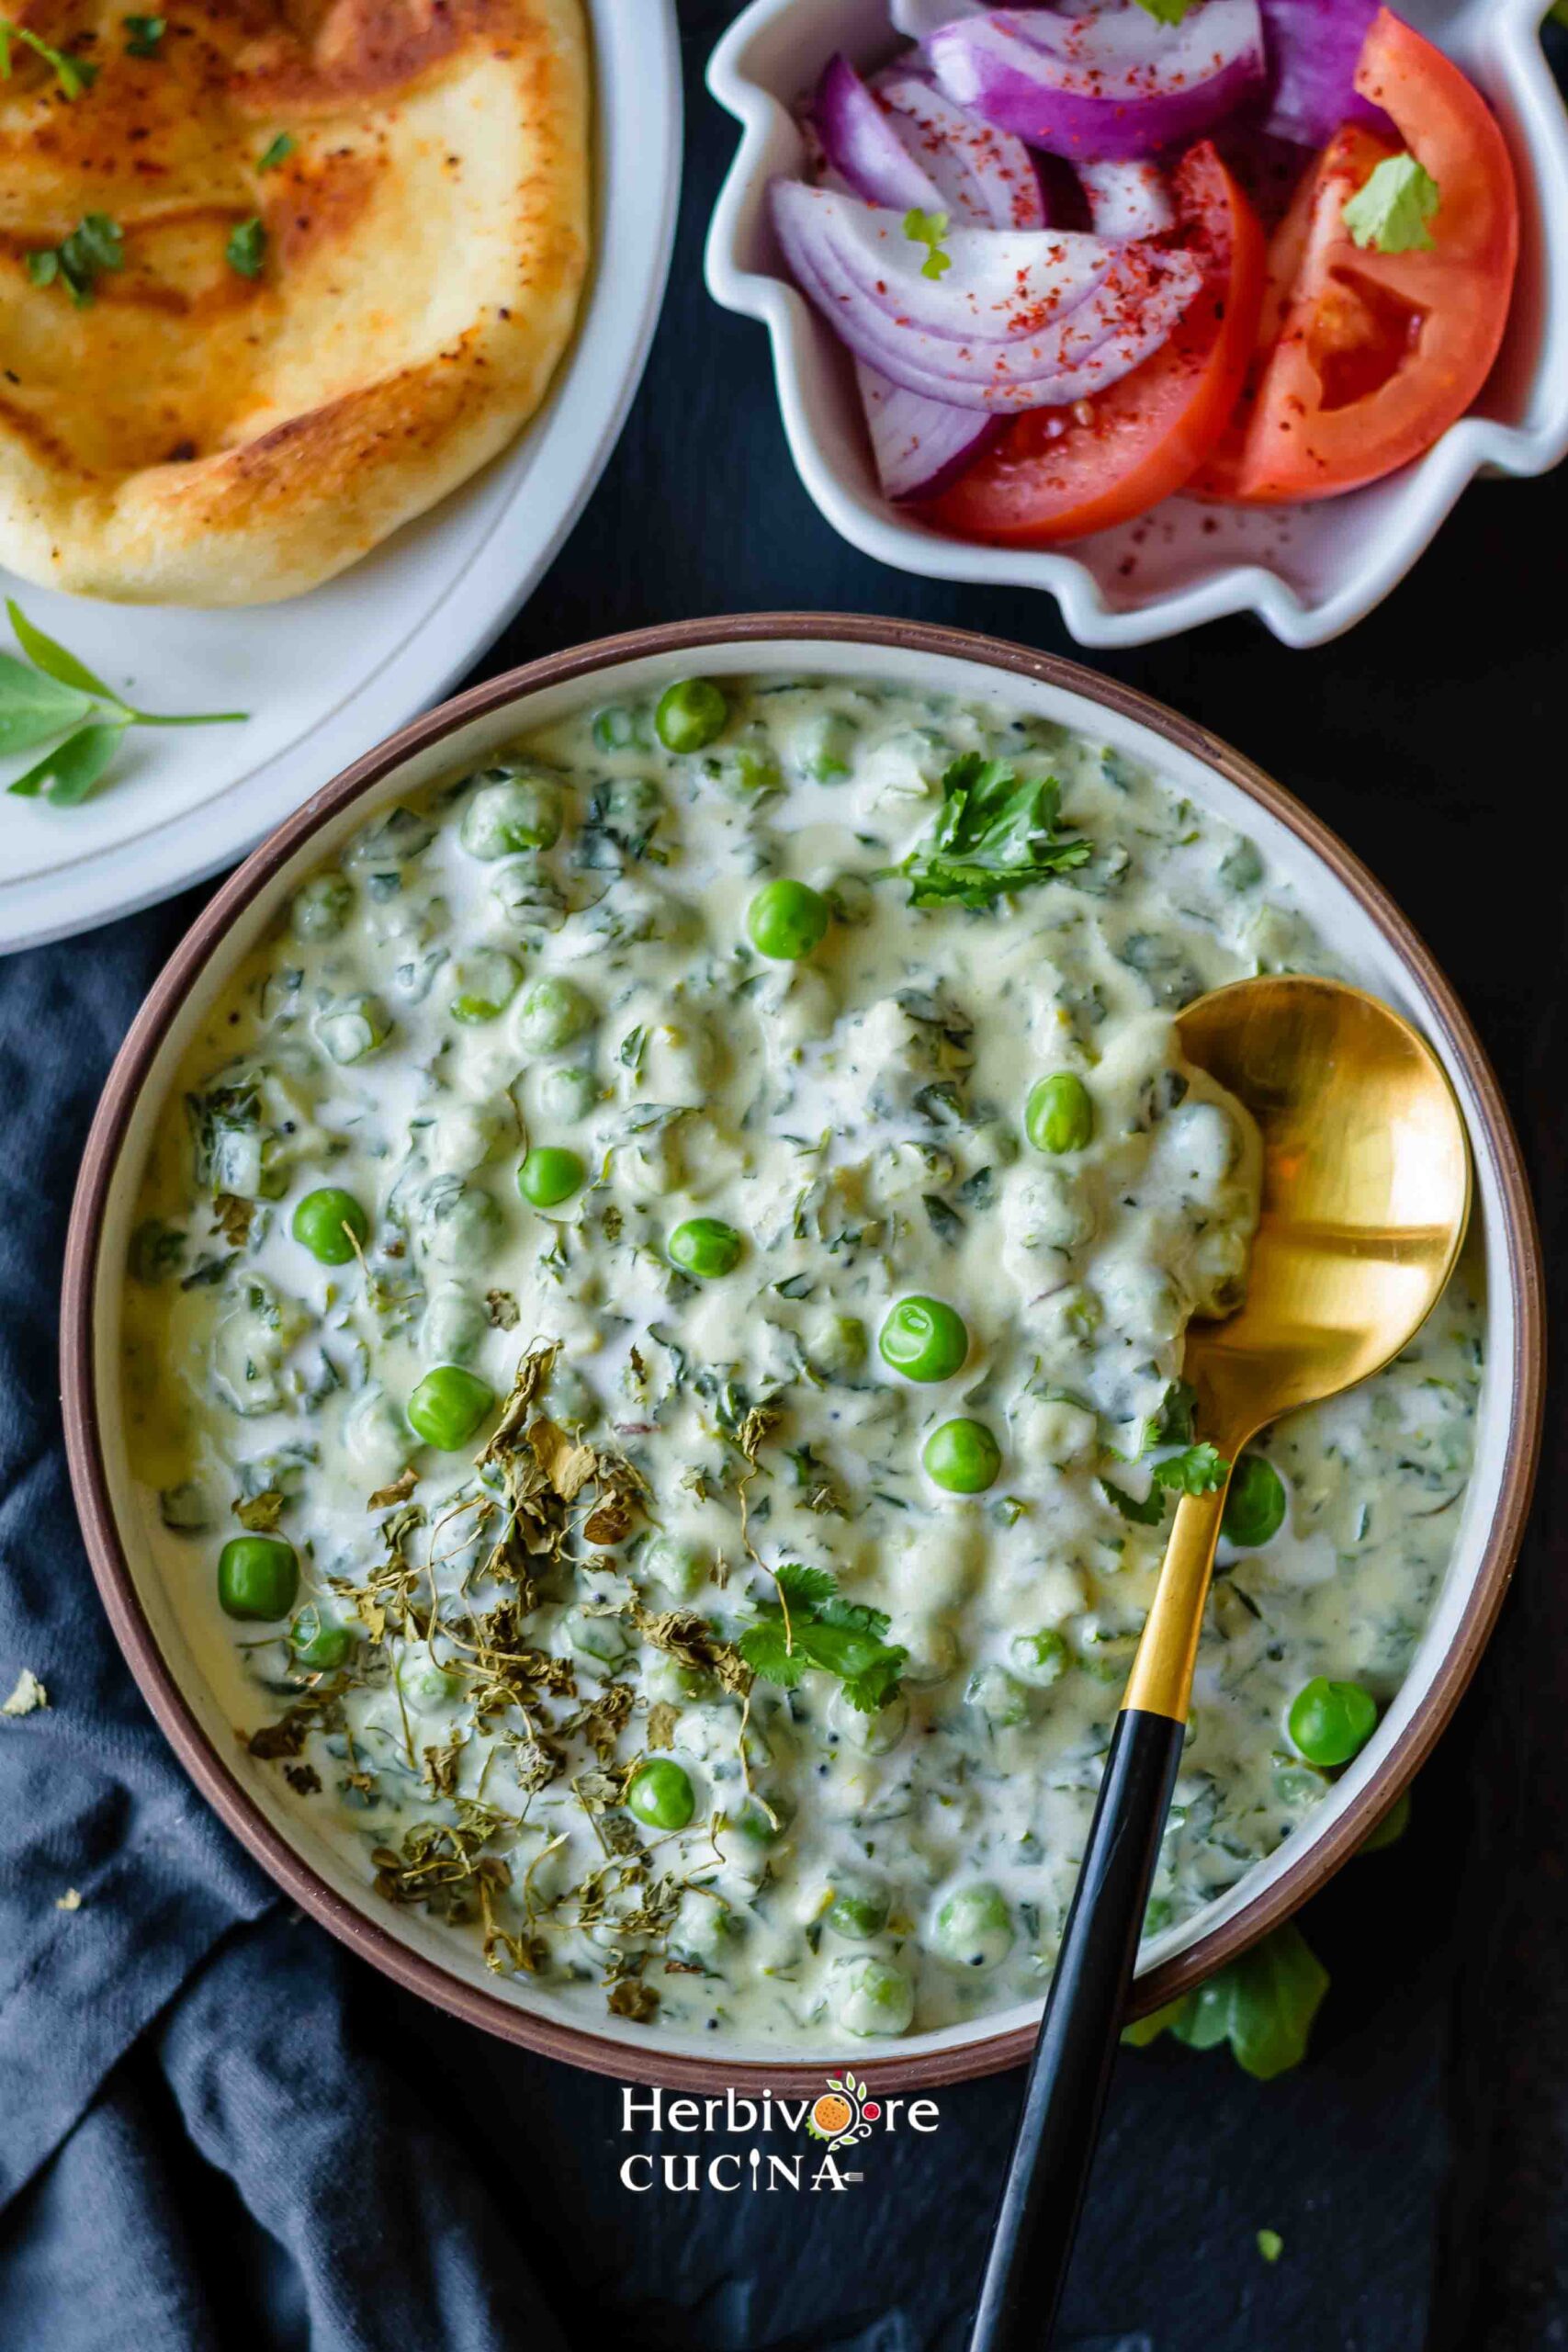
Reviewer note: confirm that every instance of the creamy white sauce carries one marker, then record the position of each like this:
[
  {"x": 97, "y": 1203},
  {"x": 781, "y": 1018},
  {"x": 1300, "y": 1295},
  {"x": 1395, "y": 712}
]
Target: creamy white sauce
[{"x": 857, "y": 1118}]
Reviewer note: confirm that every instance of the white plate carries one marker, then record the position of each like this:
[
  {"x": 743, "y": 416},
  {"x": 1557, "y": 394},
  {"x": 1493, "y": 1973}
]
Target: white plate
[
  {"x": 1308, "y": 572},
  {"x": 328, "y": 674}
]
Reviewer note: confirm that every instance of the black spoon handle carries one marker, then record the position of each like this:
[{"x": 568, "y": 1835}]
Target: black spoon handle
[{"x": 1044, "y": 2193}]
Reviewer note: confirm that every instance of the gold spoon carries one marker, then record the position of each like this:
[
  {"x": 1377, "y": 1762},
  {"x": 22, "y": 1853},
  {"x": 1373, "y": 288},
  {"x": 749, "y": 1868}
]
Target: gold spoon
[{"x": 1366, "y": 1194}]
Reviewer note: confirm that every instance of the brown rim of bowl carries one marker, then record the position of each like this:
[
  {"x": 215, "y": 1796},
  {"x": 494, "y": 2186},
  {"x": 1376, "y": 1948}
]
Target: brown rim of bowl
[{"x": 579, "y": 2045}]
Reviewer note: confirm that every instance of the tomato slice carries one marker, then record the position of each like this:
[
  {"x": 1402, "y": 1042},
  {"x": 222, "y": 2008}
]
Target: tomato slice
[
  {"x": 1364, "y": 359},
  {"x": 1058, "y": 474}
]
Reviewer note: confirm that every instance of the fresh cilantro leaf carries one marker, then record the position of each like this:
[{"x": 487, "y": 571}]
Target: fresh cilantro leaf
[
  {"x": 1168, "y": 12},
  {"x": 803, "y": 1585},
  {"x": 246, "y": 248},
  {"x": 1198, "y": 1470},
  {"x": 928, "y": 228},
  {"x": 93, "y": 245},
  {"x": 1173, "y": 1424},
  {"x": 72, "y": 74},
  {"x": 1390, "y": 210},
  {"x": 143, "y": 35},
  {"x": 1263, "y": 2004},
  {"x": 1141, "y": 1514},
  {"x": 995, "y": 834},
  {"x": 823, "y": 1630},
  {"x": 279, "y": 152}
]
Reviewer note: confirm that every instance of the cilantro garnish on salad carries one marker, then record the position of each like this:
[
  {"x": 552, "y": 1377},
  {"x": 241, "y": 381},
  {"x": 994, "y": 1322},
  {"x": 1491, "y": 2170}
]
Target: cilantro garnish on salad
[
  {"x": 813, "y": 1625},
  {"x": 1392, "y": 208}
]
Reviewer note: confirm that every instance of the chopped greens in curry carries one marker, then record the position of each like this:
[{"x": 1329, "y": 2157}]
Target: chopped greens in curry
[{"x": 654, "y": 1342}]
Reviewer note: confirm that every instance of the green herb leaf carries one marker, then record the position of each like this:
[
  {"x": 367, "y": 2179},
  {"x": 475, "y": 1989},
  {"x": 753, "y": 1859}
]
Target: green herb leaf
[
  {"x": 814, "y": 1626},
  {"x": 32, "y": 708},
  {"x": 1198, "y": 1470},
  {"x": 1390, "y": 210},
  {"x": 994, "y": 834},
  {"x": 1168, "y": 12},
  {"x": 928, "y": 228},
  {"x": 143, "y": 35},
  {"x": 1263, "y": 2004},
  {"x": 46, "y": 654},
  {"x": 1141, "y": 1514},
  {"x": 93, "y": 245},
  {"x": 279, "y": 152},
  {"x": 1173, "y": 1424},
  {"x": 69, "y": 773},
  {"x": 74, "y": 75},
  {"x": 246, "y": 248}
]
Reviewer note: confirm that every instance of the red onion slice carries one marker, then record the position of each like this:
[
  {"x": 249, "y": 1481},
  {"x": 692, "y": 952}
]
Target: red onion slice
[
  {"x": 985, "y": 175},
  {"x": 862, "y": 146},
  {"x": 1021, "y": 320},
  {"x": 1126, "y": 199},
  {"x": 1313, "y": 49},
  {"x": 920, "y": 445},
  {"x": 1106, "y": 84}
]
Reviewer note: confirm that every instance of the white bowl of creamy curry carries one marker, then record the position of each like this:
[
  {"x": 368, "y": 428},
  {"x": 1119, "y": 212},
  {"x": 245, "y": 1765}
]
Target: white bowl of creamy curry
[{"x": 626, "y": 1334}]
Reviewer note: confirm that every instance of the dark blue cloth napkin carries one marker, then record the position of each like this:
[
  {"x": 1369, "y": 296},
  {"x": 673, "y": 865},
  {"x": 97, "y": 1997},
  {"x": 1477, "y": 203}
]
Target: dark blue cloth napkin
[{"x": 159, "y": 2008}]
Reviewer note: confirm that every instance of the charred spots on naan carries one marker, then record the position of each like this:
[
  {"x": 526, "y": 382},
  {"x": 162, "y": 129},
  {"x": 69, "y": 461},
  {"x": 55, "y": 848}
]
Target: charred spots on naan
[
  {"x": 362, "y": 49},
  {"x": 322, "y": 201}
]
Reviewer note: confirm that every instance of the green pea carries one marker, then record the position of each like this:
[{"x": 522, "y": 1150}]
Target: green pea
[
  {"x": 566, "y": 1095},
  {"x": 1255, "y": 1507},
  {"x": 549, "y": 1175},
  {"x": 924, "y": 1339},
  {"x": 689, "y": 713},
  {"x": 448, "y": 1406},
  {"x": 320, "y": 906},
  {"x": 555, "y": 1011},
  {"x": 705, "y": 1248},
  {"x": 836, "y": 1345},
  {"x": 355, "y": 1028},
  {"x": 874, "y": 1997},
  {"x": 319, "y": 1643},
  {"x": 963, "y": 1456},
  {"x": 603, "y": 1638},
  {"x": 329, "y": 1223},
  {"x": 1039, "y": 1658},
  {"x": 1059, "y": 1114},
  {"x": 487, "y": 982},
  {"x": 511, "y": 813},
  {"x": 681, "y": 1568},
  {"x": 1331, "y": 1722},
  {"x": 661, "y": 1794},
  {"x": 258, "y": 1576},
  {"x": 765, "y": 1817},
  {"x": 616, "y": 728},
  {"x": 859, "y": 1909},
  {"x": 994, "y": 1693},
  {"x": 429, "y": 1685},
  {"x": 974, "y": 1927},
  {"x": 786, "y": 920}
]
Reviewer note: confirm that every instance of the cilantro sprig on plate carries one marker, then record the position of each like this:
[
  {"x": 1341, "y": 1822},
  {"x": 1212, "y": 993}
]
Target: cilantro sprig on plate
[
  {"x": 59, "y": 698},
  {"x": 72, "y": 75},
  {"x": 812, "y": 1624},
  {"x": 997, "y": 832}
]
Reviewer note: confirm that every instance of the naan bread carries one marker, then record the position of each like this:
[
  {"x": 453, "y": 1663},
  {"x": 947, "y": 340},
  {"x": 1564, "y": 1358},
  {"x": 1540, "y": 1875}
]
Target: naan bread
[{"x": 195, "y": 436}]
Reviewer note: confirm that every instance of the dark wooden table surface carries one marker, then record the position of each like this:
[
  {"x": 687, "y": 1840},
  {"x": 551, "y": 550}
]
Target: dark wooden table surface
[{"x": 1415, "y": 2166}]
